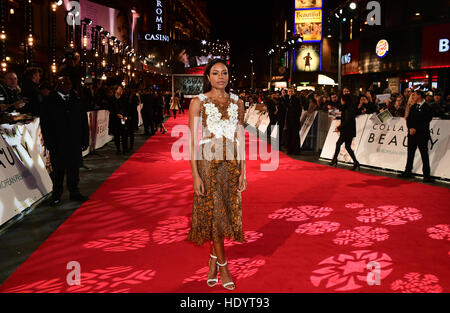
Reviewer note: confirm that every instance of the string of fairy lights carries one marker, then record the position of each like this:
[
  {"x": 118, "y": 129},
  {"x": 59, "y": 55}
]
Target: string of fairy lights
[
  {"x": 101, "y": 54},
  {"x": 217, "y": 48}
]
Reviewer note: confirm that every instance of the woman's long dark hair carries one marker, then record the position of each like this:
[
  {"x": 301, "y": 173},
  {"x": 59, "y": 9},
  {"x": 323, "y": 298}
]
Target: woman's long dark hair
[{"x": 207, "y": 85}]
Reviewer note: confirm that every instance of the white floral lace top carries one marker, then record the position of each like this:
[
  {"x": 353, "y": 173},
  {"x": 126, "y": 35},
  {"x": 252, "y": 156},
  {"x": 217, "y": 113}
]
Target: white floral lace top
[{"x": 216, "y": 126}]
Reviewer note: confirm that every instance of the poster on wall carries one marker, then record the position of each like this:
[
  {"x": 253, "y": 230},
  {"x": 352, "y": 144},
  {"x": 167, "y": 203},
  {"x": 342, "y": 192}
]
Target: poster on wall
[
  {"x": 190, "y": 85},
  {"x": 308, "y": 24},
  {"x": 307, "y": 4},
  {"x": 307, "y": 58},
  {"x": 192, "y": 56}
]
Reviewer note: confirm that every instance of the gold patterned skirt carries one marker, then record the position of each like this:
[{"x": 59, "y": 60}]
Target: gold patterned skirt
[{"x": 218, "y": 214}]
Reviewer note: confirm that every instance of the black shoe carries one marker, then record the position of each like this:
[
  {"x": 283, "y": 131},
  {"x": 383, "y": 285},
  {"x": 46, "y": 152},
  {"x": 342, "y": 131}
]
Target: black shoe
[
  {"x": 334, "y": 162},
  {"x": 356, "y": 166},
  {"x": 55, "y": 201},
  {"x": 78, "y": 197},
  {"x": 428, "y": 180},
  {"x": 118, "y": 152},
  {"x": 405, "y": 175}
]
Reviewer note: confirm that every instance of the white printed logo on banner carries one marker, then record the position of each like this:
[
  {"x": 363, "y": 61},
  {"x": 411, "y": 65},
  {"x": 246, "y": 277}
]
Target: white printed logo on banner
[{"x": 307, "y": 119}]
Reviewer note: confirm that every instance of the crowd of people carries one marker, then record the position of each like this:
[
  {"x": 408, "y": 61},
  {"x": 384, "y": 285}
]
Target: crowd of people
[
  {"x": 62, "y": 105},
  {"x": 417, "y": 106},
  {"x": 32, "y": 96},
  {"x": 285, "y": 106}
]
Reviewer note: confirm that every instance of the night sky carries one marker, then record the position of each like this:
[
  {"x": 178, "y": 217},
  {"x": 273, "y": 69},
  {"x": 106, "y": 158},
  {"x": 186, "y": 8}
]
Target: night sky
[{"x": 247, "y": 24}]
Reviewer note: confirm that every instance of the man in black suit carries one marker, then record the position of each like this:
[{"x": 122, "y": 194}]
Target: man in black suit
[
  {"x": 282, "y": 110},
  {"x": 418, "y": 118},
  {"x": 294, "y": 112},
  {"x": 65, "y": 130}
]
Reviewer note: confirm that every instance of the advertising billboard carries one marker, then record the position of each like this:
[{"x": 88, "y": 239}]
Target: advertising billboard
[
  {"x": 308, "y": 4},
  {"x": 307, "y": 58},
  {"x": 191, "y": 56},
  {"x": 436, "y": 46},
  {"x": 308, "y": 24}
]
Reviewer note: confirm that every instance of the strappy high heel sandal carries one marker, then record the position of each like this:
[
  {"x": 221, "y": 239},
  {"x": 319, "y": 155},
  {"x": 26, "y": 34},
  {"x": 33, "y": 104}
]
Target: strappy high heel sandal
[
  {"x": 212, "y": 281},
  {"x": 229, "y": 283}
]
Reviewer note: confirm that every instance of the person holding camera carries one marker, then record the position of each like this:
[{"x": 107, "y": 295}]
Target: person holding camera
[
  {"x": 65, "y": 130},
  {"x": 118, "y": 119},
  {"x": 418, "y": 117}
]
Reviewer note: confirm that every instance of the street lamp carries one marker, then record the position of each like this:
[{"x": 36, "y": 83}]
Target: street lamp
[
  {"x": 251, "y": 77},
  {"x": 353, "y": 5}
]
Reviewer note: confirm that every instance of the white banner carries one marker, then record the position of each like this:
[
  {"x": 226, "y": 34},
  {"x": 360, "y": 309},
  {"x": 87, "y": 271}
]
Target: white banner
[
  {"x": 386, "y": 146},
  {"x": 253, "y": 118},
  {"x": 333, "y": 136},
  {"x": 263, "y": 122},
  {"x": 307, "y": 119},
  {"x": 23, "y": 176},
  {"x": 101, "y": 132}
]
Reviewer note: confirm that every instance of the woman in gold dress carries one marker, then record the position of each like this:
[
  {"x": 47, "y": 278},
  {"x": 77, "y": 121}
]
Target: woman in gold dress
[{"x": 218, "y": 169}]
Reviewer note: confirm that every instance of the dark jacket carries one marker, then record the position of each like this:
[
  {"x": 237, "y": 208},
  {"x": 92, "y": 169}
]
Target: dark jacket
[
  {"x": 147, "y": 105},
  {"x": 132, "y": 112},
  {"x": 420, "y": 119},
  {"x": 158, "y": 109},
  {"x": 65, "y": 130},
  {"x": 440, "y": 108},
  {"x": 9, "y": 96},
  {"x": 294, "y": 111},
  {"x": 282, "y": 109},
  {"x": 271, "y": 107},
  {"x": 117, "y": 106},
  {"x": 31, "y": 91},
  {"x": 348, "y": 121}
]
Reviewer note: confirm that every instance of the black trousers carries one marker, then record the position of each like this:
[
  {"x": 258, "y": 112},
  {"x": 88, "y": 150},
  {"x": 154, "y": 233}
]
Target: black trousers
[
  {"x": 122, "y": 134},
  {"x": 174, "y": 114},
  {"x": 147, "y": 119},
  {"x": 73, "y": 178},
  {"x": 293, "y": 139},
  {"x": 348, "y": 147},
  {"x": 181, "y": 108},
  {"x": 420, "y": 142}
]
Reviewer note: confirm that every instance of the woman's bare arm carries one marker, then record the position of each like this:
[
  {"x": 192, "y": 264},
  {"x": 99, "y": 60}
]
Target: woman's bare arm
[
  {"x": 194, "y": 118},
  {"x": 241, "y": 134}
]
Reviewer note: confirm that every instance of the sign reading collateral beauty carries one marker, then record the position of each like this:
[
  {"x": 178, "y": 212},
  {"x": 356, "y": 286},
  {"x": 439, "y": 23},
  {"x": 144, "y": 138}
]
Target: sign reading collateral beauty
[{"x": 159, "y": 22}]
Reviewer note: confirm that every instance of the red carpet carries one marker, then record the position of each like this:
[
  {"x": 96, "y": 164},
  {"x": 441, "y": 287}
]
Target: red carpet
[{"x": 310, "y": 228}]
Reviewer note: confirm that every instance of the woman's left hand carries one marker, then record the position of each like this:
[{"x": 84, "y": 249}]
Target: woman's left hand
[{"x": 242, "y": 183}]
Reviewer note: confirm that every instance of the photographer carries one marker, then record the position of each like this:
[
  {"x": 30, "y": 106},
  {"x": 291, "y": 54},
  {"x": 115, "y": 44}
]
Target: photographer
[{"x": 69, "y": 65}]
